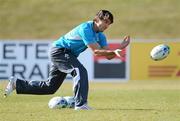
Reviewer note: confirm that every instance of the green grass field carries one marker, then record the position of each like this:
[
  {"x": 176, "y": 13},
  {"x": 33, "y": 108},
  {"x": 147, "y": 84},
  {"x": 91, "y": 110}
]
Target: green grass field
[
  {"x": 33, "y": 19},
  {"x": 132, "y": 101}
]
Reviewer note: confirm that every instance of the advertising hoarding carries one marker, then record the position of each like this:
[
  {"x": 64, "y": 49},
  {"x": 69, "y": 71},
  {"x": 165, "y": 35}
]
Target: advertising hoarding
[
  {"x": 29, "y": 59},
  {"x": 144, "y": 68}
]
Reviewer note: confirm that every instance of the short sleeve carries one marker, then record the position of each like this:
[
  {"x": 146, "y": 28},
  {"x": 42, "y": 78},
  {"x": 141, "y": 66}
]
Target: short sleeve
[{"x": 87, "y": 35}]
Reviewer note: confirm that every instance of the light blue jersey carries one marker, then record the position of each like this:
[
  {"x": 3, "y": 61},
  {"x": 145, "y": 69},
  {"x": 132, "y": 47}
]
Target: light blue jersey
[{"x": 78, "y": 38}]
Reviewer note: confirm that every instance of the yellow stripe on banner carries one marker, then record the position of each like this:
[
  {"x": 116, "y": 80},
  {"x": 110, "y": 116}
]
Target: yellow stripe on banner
[{"x": 144, "y": 68}]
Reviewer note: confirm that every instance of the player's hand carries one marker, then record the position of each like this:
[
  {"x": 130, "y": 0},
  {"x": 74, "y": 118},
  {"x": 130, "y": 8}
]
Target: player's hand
[
  {"x": 119, "y": 53},
  {"x": 125, "y": 42}
]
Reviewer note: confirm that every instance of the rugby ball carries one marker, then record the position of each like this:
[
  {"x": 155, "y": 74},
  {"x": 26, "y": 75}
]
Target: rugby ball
[
  {"x": 70, "y": 101},
  {"x": 57, "y": 102},
  {"x": 160, "y": 52}
]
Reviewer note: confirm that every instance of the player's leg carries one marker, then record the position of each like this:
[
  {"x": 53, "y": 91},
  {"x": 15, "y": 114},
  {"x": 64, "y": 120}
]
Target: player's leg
[
  {"x": 50, "y": 86},
  {"x": 80, "y": 86},
  {"x": 56, "y": 78},
  {"x": 68, "y": 63}
]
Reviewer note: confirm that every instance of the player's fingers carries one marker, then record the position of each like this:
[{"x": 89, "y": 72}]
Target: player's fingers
[{"x": 127, "y": 38}]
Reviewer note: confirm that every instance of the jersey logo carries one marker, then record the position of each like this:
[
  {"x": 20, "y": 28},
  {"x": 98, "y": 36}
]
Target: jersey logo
[{"x": 66, "y": 56}]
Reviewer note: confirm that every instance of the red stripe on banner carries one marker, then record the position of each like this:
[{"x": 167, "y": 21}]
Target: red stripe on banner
[
  {"x": 161, "y": 71},
  {"x": 163, "y": 67},
  {"x": 178, "y": 73},
  {"x": 160, "y": 75},
  {"x": 178, "y": 53}
]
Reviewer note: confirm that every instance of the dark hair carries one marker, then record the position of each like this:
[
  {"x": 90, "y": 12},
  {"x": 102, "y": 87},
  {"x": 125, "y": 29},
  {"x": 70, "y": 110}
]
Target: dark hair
[{"x": 104, "y": 14}]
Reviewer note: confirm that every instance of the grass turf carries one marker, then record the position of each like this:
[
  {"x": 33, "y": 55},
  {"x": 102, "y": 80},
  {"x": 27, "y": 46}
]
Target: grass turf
[
  {"x": 44, "y": 19},
  {"x": 132, "y": 101}
]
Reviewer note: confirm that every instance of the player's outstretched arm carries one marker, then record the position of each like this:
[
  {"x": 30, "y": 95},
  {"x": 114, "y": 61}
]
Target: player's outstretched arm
[
  {"x": 125, "y": 42},
  {"x": 110, "y": 54},
  {"x": 123, "y": 45},
  {"x": 98, "y": 51}
]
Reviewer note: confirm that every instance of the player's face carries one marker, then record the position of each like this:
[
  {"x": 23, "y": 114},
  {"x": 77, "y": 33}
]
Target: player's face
[{"x": 102, "y": 25}]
